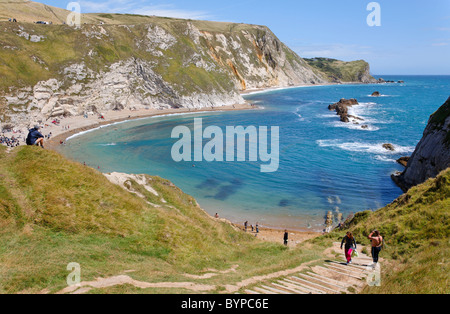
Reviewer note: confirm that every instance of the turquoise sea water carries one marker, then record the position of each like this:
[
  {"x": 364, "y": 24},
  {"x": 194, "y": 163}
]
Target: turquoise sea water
[{"x": 324, "y": 164}]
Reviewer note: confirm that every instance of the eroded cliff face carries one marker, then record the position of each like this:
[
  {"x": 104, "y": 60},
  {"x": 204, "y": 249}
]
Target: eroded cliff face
[
  {"x": 166, "y": 65},
  {"x": 432, "y": 154}
]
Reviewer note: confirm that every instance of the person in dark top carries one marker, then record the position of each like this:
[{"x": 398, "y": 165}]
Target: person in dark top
[
  {"x": 350, "y": 245},
  {"x": 35, "y": 137},
  {"x": 286, "y": 237}
]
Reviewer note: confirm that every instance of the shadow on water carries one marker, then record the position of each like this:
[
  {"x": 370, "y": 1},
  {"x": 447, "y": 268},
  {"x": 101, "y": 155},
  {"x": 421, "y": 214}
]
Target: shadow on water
[
  {"x": 226, "y": 191},
  {"x": 208, "y": 184}
]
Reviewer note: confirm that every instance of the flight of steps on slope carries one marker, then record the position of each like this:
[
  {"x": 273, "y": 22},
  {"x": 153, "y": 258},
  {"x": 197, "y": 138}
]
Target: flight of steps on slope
[{"x": 332, "y": 277}]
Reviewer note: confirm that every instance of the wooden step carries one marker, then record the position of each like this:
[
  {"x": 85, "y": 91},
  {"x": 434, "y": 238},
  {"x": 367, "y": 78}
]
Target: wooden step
[
  {"x": 315, "y": 285},
  {"x": 295, "y": 288},
  {"x": 342, "y": 273},
  {"x": 309, "y": 289},
  {"x": 324, "y": 282},
  {"x": 282, "y": 286},
  {"x": 248, "y": 291},
  {"x": 344, "y": 285},
  {"x": 263, "y": 291},
  {"x": 338, "y": 276},
  {"x": 356, "y": 266},
  {"x": 278, "y": 291},
  {"x": 347, "y": 271}
]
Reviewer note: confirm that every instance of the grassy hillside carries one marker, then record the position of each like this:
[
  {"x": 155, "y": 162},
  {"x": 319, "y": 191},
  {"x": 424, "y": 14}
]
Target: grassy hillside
[
  {"x": 340, "y": 71},
  {"x": 26, "y": 63},
  {"x": 416, "y": 228},
  {"x": 54, "y": 212}
]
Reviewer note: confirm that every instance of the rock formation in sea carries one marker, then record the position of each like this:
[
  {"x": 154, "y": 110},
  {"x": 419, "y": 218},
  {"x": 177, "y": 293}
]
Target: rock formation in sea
[
  {"x": 432, "y": 154},
  {"x": 376, "y": 94},
  {"x": 389, "y": 147},
  {"x": 341, "y": 109}
]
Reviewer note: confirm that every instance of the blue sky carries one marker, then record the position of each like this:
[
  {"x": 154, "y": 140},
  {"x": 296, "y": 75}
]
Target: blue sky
[{"x": 414, "y": 36}]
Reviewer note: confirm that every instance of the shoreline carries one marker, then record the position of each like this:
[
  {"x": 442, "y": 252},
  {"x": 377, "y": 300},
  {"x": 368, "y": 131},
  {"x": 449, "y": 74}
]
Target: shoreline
[
  {"x": 263, "y": 90},
  {"x": 79, "y": 125},
  {"x": 274, "y": 235}
]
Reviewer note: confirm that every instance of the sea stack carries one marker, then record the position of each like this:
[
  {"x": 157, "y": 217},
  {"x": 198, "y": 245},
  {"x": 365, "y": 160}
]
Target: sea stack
[
  {"x": 341, "y": 109},
  {"x": 432, "y": 154}
]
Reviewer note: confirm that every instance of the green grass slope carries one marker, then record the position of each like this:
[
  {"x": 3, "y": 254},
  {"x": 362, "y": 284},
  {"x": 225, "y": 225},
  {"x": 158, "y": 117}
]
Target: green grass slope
[
  {"x": 54, "y": 212},
  {"x": 416, "y": 228},
  {"x": 341, "y": 71}
]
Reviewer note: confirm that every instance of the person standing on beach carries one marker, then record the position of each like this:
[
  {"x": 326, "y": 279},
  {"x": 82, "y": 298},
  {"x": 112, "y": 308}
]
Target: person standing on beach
[
  {"x": 286, "y": 237},
  {"x": 350, "y": 245},
  {"x": 377, "y": 245},
  {"x": 245, "y": 226}
]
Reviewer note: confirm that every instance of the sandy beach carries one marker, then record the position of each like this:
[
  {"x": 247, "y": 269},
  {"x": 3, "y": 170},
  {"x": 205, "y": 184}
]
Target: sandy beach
[
  {"x": 274, "y": 235},
  {"x": 77, "y": 124}
]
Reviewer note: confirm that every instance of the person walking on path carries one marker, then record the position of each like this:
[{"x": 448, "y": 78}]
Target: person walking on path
[
  {"x": 350, "y": 245},
  {"x": 286, "y": 237},
  {"x": 245, "y": 226},
  {"x": 377, "y": 245}
]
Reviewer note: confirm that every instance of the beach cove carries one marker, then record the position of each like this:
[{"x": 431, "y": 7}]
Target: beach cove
[{"x": 322, "y": 159}]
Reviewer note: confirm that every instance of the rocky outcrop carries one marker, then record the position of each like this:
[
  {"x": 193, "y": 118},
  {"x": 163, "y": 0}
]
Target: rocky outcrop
[
  {"x": 376, "y": 94},
  {"x": 389, "y": 147},
  {"x": 403, "y": 161},
  {"x": 341, "y": 109},
  {"x": 432, "y": 154}
]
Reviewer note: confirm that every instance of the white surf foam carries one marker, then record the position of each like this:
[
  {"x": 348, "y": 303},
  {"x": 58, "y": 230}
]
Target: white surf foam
[
  {"x": 384, "y": 158},
  {"x": 352, "y": 126},
  {"x": 297, "y": 113},
  {"x": 110, "y": 144},
  {"x": 369, "y": 148}
]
